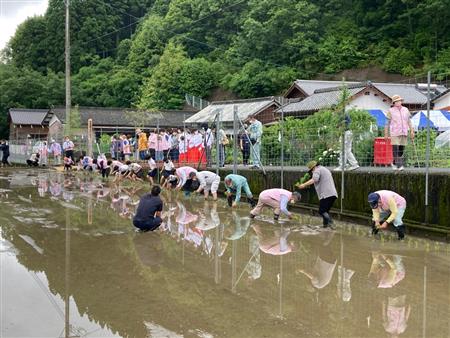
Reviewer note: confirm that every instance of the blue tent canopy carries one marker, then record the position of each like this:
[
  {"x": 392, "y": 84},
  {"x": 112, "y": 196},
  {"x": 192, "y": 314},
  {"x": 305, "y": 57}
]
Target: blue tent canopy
[
  {"x": 423, "y": 122},
  {"x": 446, "y": 114},
  {"x": 379, "y": 115}
]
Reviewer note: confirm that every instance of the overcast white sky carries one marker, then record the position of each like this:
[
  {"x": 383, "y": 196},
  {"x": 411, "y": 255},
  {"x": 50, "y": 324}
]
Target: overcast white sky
[{"x": 14, "y": 12}]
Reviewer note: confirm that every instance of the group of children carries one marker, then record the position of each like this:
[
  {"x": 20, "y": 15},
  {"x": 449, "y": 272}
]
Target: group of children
[{"x": 122, "y": 169}]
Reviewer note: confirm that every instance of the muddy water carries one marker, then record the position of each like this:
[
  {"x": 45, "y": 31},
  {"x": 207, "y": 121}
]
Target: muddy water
[{"x": 72, "y": 264}]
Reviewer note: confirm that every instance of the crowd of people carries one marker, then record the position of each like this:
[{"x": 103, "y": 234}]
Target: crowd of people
[
  {"x": 188, "y": 146},
  {"x": 387, "y": 206},
  {"x": 166, "y": 152}
]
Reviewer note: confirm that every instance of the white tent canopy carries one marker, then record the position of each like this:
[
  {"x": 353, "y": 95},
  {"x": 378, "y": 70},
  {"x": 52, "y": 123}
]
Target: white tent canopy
[
  {"x": 443, "y": 140},
  {"x": 439, "y": 120}
]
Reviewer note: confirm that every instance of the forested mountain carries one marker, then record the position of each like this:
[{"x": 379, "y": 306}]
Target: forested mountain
[{"x": 148, "y": 53}]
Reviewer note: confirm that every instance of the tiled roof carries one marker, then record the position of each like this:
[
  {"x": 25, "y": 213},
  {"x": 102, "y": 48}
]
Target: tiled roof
[
  {"x": 445, "y": 92},
  {"x": 123, "y": 117},
  {"x": 310, "y": 86},
  {"x": 410, "y": 93},
  {"x": 317, "y": 101},
  {"x": 25, "y": 116},
  {"x": 246, "y": 108}
]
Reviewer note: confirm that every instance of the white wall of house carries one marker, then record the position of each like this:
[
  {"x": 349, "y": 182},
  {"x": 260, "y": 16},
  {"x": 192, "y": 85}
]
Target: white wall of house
[
  {"x": 442, "y": 102},
  {"x": 370, "y": 101}
]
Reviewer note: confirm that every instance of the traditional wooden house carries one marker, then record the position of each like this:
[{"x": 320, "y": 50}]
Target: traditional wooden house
[
  {"x": 442, "y": 101},
  {"x": 28, "y": 123},
  {"x": 49, "y": 123},
  {"x": 262, "y": 108},
  {"x": 309, "y": 96}
]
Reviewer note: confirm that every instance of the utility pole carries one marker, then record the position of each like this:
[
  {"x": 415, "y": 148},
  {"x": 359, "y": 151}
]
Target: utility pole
[{"x": 67, "y": 54}]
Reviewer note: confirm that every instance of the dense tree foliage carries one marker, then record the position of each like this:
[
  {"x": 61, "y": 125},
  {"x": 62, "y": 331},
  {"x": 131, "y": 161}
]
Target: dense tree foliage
[{"x": 149, "y": 53}]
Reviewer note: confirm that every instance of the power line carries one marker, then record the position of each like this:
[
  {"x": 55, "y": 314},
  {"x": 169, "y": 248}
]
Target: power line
[{"x": 144, "y": 17}]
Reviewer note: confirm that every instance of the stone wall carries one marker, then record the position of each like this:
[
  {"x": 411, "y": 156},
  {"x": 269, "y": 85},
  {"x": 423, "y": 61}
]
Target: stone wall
[{"x": 359, "y": 183}]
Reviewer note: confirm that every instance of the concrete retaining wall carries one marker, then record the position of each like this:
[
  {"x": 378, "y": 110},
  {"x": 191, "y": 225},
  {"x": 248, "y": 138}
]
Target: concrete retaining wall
[{"x": 358, "y": 184}]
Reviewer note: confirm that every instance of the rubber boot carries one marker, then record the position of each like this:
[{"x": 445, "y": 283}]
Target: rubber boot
[
  {"x": 252, "y": 202},
  {"x": 230, "y": 200},
  {"x": 375, "y": 230},
  {"x": 401, "y": 232},
  {"x": 327, "y": 220}
]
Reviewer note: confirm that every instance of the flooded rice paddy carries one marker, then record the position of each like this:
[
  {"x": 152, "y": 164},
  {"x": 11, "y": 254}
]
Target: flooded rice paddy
[{"x": 72, "y": 265}]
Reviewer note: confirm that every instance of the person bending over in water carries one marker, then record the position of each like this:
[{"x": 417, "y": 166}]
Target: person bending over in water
[
  {"x": 148, "y": 213},
  {"x": 209, "y": 182},
  {"x": 234, "y": 184},
  {"x": 33, "y": 161},
  {"x": 278, "y": 200}
]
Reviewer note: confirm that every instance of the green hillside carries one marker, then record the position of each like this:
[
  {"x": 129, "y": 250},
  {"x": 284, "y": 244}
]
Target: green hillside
[{"x": 149, "y": 53}]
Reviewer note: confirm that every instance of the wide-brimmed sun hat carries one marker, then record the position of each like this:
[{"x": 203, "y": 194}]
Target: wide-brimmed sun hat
[
  {"x": 396, "y": 98},
  {"x": 311, "y": 164}
]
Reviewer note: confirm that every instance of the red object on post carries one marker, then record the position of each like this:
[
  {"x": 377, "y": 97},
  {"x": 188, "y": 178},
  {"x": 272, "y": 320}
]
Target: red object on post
[{"x": 382, "y": 151}]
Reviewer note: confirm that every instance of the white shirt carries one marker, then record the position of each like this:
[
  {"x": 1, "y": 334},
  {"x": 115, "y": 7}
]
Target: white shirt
[
  {"x": 168, "y": 166},
  {"x": 209, "y": 138},
  {"x": 135, "y": 167},
  {"x": 152, "y": 164},
  {"x": 124, "y": 168},
  {"x": 196, "y": 140}
]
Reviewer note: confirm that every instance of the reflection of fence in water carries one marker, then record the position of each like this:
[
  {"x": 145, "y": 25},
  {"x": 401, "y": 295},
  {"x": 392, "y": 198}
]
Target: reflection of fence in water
[{"x": 285, "y": 294}]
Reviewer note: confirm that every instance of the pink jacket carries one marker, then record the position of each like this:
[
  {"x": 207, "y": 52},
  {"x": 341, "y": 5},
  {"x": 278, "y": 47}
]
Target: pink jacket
[
  {"x": 183, "y": 174},
  {"x": 275, "y": 194},
  {"x": 152, "y": 140},
  {"x": 399, "y": 121},
  {"x": 385, "y": 195},
  {"x": 162, "y": 143}
]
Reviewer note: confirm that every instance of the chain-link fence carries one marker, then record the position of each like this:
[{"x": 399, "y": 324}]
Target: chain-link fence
[{"x": 298, "y": 135}]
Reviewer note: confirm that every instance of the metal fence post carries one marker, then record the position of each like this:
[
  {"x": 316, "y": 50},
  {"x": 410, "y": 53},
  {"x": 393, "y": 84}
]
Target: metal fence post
[
  {"x": 218, "y": 143},
  {"x": 343, "y": 160},
  {"x": 157, "y": 146},
  {"x": 184, "y": 140},
  {"x": 235, "y": 136},
  {"x": 427, "y": 159},
  {"x": 282, "y": 147}
]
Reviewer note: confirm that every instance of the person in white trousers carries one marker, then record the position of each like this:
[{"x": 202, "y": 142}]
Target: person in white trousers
[{"x": 348, "y": 154}]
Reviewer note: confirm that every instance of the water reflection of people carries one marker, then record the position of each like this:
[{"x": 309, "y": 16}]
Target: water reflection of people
[
  {"x": 150, "y": 250},
  {"x": 396, "y": 313},
  {"x": 274, "y": 242},
  {"x": 344, "y": 290},
  {"x": 254, "y": 267},
  {"x": 241, "y": 226},
  {"x": 148, "y": 213},
  {"x": 386, "y": 270},
  {"x": 322, "y": 270}
]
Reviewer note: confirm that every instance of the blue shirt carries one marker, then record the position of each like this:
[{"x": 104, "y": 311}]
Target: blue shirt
[{"x": 237, "y": 182}]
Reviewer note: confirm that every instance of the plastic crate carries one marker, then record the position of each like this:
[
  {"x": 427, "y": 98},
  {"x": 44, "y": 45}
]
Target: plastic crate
[{"x": 382, "y": 151}]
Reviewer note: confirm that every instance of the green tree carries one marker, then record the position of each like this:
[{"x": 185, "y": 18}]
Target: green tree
[
  {"x": 259, "y": 79},
  {"x": 400, "y": 60},
  {"x": 197, "y": 77},
  {"x": 147, "y": 45},
  {"x": 27, "y": 88},
  {"x": 163, "y": 89},
  {"x": 27, "y": 46}
]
